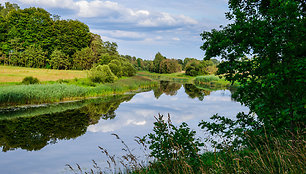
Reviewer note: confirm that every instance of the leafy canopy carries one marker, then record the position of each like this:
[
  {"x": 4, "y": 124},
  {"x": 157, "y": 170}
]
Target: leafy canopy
[{"x": 264, "y": 50}]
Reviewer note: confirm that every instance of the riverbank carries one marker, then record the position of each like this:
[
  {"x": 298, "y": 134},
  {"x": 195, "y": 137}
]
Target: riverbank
[
  {"x": 65, "y": 90},
  {"x": 63, "y": 85}
]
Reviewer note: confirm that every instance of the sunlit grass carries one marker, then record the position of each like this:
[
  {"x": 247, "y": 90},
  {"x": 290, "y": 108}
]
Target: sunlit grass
[
  {"x": 17, "y": 74},
  {"x": 69, "y": 90}
]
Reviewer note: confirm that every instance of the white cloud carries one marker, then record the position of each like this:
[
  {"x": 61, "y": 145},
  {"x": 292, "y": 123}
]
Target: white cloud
[
  {"x": 70, "y": 4},
  {"x": 113, "y": 12}
]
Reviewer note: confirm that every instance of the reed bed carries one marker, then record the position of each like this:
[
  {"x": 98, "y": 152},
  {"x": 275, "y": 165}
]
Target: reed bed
[{"x": 49, "y": 93}]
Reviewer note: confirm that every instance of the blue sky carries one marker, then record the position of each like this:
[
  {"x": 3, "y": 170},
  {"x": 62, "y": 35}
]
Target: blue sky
[{"x": 142, "y": 28}]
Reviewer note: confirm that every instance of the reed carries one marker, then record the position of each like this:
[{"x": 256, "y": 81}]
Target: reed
[
  {"x": 49, "y": 93},
  {"x": 275, "y": 155}
]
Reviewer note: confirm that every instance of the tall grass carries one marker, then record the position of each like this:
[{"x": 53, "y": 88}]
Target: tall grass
[
  {"x": 46, "y": 93},
  {"x": 37, "y": 93},
  {"x": 276, "y": 155}
]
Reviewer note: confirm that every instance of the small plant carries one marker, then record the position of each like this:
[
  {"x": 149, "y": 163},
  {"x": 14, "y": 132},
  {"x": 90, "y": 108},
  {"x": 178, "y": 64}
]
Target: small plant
[
  {"x": 30, "y": 80},
  {"x": 172, "y": 145}
]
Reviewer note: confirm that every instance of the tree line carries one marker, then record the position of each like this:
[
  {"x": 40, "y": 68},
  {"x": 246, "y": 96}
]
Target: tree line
[{"x": 32, "y": 37}]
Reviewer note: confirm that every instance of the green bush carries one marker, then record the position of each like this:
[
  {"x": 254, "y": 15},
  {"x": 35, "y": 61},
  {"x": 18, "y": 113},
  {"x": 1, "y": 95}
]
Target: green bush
[
  {"x": 169, "y": 143},
  {"x": 30, "y": 80},
  {"x": 102, "y": 74}
]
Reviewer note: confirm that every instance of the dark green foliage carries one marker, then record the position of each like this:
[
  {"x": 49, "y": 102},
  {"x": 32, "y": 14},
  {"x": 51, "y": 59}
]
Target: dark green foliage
[
  {"x": 97, "y": 46},
  {"x": 272, "y": 78},
  {"x": 128, "y": 70},
  {"x": 101, "y": 74},
  {"x": 30, "y": 80},
  {"x": 33, "y": 56},
  {"x": 32, "y": 26},
  {"x": 71, "y": 36},
  {"x": 169, "y": 142},
  {"x": 59, "y": 60},
  {"x": 196, "y": 68},
  {"x": 156, "y": 62},
  {"x": 21, "y": 29},
  {"x": 83, "y": 59},
  {"x": 169, "y": 66}
]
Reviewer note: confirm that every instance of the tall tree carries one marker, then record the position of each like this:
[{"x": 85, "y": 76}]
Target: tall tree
[
  {"x": 157, "y": 60},
  {"x": 264, "y": 50},
  {"x": 71, "y": 36},
  {"x": 32, "y": 26}
]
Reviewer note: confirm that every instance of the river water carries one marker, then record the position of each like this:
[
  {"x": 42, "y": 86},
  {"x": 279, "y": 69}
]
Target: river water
[{"x": 44, "y": 138}]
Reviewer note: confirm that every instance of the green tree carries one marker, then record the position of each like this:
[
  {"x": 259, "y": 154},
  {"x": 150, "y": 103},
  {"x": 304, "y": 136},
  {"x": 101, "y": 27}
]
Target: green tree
[
  {"x": 116, "y": 67},
  {"x": 32, "y": 26},
  {"x": 263, "y": 49},
  {"x": 195, "y": 68},
  {"x": 169, "y": 66},
  {"x": 156, "y": 62},
  {"x": 83, "y": 59},
  {"x": 59, "y": 60},
  {"x": 101, "y": 74},
  {"x": 33, "y": 56},
  {"x": 71, "y": 36},
  {"x": 97, "y": 46}
]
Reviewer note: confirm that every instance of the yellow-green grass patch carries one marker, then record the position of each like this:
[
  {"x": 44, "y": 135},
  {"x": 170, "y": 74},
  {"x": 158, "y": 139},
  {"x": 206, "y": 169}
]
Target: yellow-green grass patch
[{"x": 17, "y": 74}]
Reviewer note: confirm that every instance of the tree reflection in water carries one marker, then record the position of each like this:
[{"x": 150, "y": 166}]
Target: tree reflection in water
[{"x": 34, "y": 133}]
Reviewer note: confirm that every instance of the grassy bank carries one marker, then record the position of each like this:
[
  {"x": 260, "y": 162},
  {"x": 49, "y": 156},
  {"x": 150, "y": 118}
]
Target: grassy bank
[
  {"x": 14, "y": 74},
  {"x": 68, "y": 90},
  {"x": 176, "y": 77},
  {"x": 203, "y": 82}
]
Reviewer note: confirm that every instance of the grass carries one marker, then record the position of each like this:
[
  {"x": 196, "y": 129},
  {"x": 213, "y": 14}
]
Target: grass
[
  {"x": 70, "y": 90},
  {"x": 273, "y": 155},
  {"x": 176, "y": 77},
  {"x": 17, "y": 74}
]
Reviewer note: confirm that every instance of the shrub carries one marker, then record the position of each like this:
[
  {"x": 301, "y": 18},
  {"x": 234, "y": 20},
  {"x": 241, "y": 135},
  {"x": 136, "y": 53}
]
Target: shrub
[
  {"x": 102, "y": 74},
  {"x": 30, "y": 80},
  {"x": 169, "y": 142}
]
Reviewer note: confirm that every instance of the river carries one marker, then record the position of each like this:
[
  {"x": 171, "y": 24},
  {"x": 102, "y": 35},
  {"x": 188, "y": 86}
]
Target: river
[{"x": 44, "y": 138}]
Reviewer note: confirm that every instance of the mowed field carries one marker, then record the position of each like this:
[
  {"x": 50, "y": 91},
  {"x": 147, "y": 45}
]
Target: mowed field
[{"x": 16, "y": 74}]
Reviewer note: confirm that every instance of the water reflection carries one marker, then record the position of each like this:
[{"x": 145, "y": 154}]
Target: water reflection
[
  {"x": 33, "y": 128},
  {"x": 168, "y": 88},
  {"x": 34, "y": 133},
  {"x": 43, "y": 139}
]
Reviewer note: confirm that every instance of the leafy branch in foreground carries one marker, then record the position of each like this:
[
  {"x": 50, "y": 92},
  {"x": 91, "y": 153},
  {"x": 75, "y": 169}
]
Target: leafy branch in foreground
[{"x": 263, "y": 49}]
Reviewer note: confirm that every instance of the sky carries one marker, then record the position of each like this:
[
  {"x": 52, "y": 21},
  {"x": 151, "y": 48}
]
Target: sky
[{"x": 142, "y": 28}]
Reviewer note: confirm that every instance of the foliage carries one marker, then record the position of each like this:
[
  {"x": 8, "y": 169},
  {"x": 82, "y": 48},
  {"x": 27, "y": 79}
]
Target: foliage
[
  {"x": 272, "y": 77},
  {"x": 83, "y": 59},
  {"x": 169, "y": 66},
  {"x": 71, "y": 36},
  {"x": 128, "y": 70},
  {"x": 30, "y": 80},
  {"x": 59, "y": 60},
  {"x": 102, "y": 74},
  {"x": 195, "y": 68},
  {"x": 156, "y": 62},
  {"x": 33, "y": 57},
  {"x": 23, "y": 30},
  {"x": 169, "y": 142}
]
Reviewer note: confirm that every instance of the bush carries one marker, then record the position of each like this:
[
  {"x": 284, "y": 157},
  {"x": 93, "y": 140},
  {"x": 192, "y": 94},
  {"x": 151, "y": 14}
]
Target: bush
[
  {"x": 170, "y": 143},
  {"x": 30, "y": 80},
  {"x": 102, "y": 74}
]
